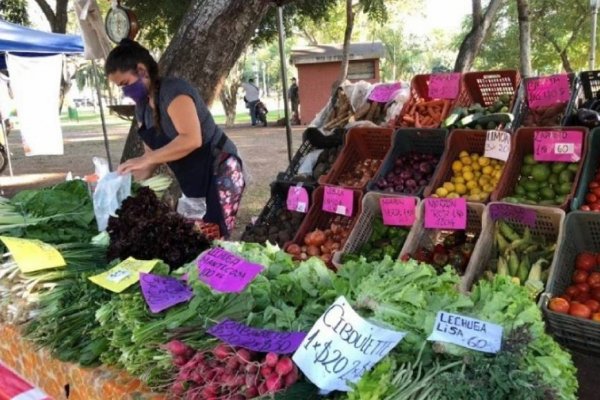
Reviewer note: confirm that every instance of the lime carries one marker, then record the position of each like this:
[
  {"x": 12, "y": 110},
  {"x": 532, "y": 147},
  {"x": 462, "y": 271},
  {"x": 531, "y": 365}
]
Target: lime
[
  {"x": 540, "y": 172},
  {"x": 566, "y": 176},
  {"x": 531, "y": 185},
  {"x": 526, "y": 170},
  {"x": 547, "y": 193},
  {"x": 511, "y": 200},
  {"x": 558, "y": 167},
  {"x": 553, "y": 179},
  {"x": 547, "y": 202},
  {"x": 532, "y": 196},
  {"x": 529, "y": 160},
  {"x": 564, "y": 188},
  {"x": 560, "y": 199},
  {"x": 573, "y": 167},
  {"x": 520, "y": 190}
]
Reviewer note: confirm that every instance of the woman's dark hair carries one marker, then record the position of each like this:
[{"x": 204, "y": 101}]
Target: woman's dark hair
[{"x": 125, "y": 57}]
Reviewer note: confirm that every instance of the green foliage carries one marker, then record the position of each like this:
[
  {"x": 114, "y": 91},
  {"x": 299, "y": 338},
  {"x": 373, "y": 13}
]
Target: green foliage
[{"x": 14, "y": 11}]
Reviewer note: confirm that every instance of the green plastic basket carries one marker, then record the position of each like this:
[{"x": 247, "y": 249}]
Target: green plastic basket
[{"x": 590, "y": 165}]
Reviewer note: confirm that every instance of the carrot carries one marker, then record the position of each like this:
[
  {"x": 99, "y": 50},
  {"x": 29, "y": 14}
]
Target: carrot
[{"x": 409, "y": 119}]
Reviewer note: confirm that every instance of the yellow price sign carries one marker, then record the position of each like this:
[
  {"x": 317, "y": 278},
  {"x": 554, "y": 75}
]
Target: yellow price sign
[
  {"x": 124, "y": 274},
  {"x": 33, "y": 255}
]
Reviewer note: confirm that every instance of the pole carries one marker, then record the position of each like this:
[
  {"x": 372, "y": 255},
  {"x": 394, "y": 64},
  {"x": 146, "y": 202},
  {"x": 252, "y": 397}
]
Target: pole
[
  {"x": 288, "y": 128},
  {"x": 97, "y": 84},
  {"x": 594, "y": 24},
  {"x": 7, "y": 147}
]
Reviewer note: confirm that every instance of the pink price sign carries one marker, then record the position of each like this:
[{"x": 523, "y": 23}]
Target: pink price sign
[
  {"x": 561, "y": 146},
  {"x": 338, "y": 200},
  {"x": 398, "y": 211},
  {"x": 444, "y": 86},
  {"x": 445, "y": 213},
  {"x": 548, "y": 90},
  {"x": 297, "y": 199}
]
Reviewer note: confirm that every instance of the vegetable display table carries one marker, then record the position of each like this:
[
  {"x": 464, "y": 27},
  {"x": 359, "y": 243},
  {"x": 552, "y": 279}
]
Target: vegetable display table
[{"x": 59, "y": 379}]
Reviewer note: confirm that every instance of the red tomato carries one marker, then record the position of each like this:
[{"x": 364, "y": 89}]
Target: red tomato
[
  {"x": 572, "y": 291},
  {"x": 596, "y": 317},
  {"x": 597, "y": 258},
  {"x": 595, "y": 293},
  {"x": 591, "y": 198},
  {"x": 593, "y": 305},
  {"x": 594, "y": 280},
  {"x": 580, "y": 310},
  {"x": 583, "y": 287},
  {"x": 580, "y": 276},
  {"x": 559, "y": 305},
  {"x": 595, "y": 207},
  {"x": 586, "y": 260},
  {"x": 593, "y": 185},
  {"x": 585, "y": 207},
  {"x": 596, "y": 191},
  {"x": 582, "y": 297},
  {"x": 566, "y": 297}
]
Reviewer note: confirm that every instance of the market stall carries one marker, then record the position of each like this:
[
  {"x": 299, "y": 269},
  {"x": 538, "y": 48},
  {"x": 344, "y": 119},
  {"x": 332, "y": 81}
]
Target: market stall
[{"x": 411, "y": 262}]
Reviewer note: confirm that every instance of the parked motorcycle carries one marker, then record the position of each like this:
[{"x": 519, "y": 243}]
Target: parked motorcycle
[{"x": 260, "y": 110}]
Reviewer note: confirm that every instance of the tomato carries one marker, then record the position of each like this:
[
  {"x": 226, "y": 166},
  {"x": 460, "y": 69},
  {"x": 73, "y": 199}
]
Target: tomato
[
  {"x": 593, "y": 305},
  {"x": 566, "y": 297},
  {"x": 591, "y": 198},
  {"x": 585, "y": 261},
  {"x": 583, "y": 287},
  {"x": 559, "y": 305},
  {"x": 580, "y": 310},
  {"x": 572, "y": 291},
  {"x": 594, "y": 280},
  {"x": 597, "y": 258},
  {"x": 596, "y": 317},
  {"x": 580, "y": 276},
  {"x": 582, "y": 297},
  {"x": 595, "y": 293},
  {"x": 593, "y": 185},
  {"x": 596, "y": 191},
  {"x": 585, "y": 207},
  {"x": 595, "y": 207}
]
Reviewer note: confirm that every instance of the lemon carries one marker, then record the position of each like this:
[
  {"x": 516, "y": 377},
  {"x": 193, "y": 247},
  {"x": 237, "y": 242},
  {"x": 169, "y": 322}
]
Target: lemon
[
  {"x": 483, "y": 181},
  {"x": 475, "y": 191},
  {"x": 473, "y": 197},
  {"x": 477, "y": 174},
  {"x": 468, "y": 176},
  {"x": 466, "y": 160},
  {"x": 498, "y": 175},
  {"x": 474, "y": 156},
  {"x": 449, "y": 186},
  {"x": 494, "y": 162},
  {"x": 476, "y": 166},
  {"x": 488, "y": 170},
  {"x": 463, "y": 154},
  {"x": 488, "y": 188},
  {"x": 484, "y": 161},
  {"x": 453, "y": 196},
  {"x": 467, "y": 168},
  {"x": 460, "y": 188},
  {"x": 459, "y": 179},
  {"x": 453, "y": 180},
  {"x": 435, "y": 196},
  {"x": 457, "y": 166},
  {"x": 471, "y": 185},
  {"x": 441, "y": 192}
]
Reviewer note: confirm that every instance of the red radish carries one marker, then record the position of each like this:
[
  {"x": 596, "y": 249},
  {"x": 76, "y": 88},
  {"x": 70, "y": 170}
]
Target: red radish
[
  {"x": 284, "y": 366},
  {"x": 252, "y": 368},
  {"x": 237, "y": 397},
  {"x": 271, "y": 359},
  {"x": 250, "y": 380},
  {"x": 222, "y": 351},
  {"x": 232, "y": 364},
  {"x": 266, "y": 371},
  {"x": 244, "y": 355},
  {"x": 177, "y": 348},
  {"x": 197, "y": 377},
  {"x": 273, "y": 383},
  {"x": 177, "y": 389},
  {"x": 180, "y": 361},
  {"x": 251, "y": 392},
  {"x": 262, "y": 388},
  {"x": 209, "y": 391},
  {"x": 291, "y": 378}
]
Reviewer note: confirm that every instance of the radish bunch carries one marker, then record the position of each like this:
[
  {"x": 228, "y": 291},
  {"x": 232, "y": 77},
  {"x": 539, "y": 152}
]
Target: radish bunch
[{"x": 228, "y": 373}]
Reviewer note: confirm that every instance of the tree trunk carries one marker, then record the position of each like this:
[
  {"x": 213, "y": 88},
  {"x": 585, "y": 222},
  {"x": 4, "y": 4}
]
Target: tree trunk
[
  {"x": 229, "y": 100},
  {"x": 472, "y": 42},
  {"x": 212, "y": 36},
  {"x": 58, "y": 17},
  {"x": 347, "y": 39},
  {"x": 524, "y": 37}
]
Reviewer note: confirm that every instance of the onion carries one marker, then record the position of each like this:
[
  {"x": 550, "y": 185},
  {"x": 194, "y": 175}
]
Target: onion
[
  {"x": 411, "y": 184},
  {"x": 406, "y": 174},
  {"x": 313, "y": 251},
  {"x": 425, "y": 168},
  {"x": 423, "y": 182},
  {"x": 294, "y": 249}
]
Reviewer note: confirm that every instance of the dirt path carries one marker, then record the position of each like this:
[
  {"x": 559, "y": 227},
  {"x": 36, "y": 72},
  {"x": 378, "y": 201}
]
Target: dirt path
[{"x": 262, "y": 149}]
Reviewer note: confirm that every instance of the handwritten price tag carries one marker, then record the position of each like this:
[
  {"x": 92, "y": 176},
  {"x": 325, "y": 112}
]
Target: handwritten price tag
[
  {"x": 261, "y": 340},
  {"x": 338, "y": 201},
  {"x": 445, "y": 213},
  {"x": 444, "y": 86},
  {"x": 341, "y": 346},
  {"x": 33, "y": 255},
  {"x": 510, "y": 211},
  {"x": 124, "y": 274},
  {"x": 467, "y": 332},
  {"x": 385, "y": 92},
  {"x": 562, "y": 146},
  {"x": 297, "y": 199},
  {"x": 162, "y": 292},
  {"x": 548, "y": 90},
  {"x": 226, "y": 272},
  {"x": 497, "y": 145},
  {"x": 398, "y": 211}
]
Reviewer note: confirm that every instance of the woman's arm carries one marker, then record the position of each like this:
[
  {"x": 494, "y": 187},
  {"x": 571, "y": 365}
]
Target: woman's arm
[
  {"x": 182, "y": 112},
  {"x": 147, "y": 172}
]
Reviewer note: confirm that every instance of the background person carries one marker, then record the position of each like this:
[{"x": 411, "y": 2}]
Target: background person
[{"x": 251, "y": 97}]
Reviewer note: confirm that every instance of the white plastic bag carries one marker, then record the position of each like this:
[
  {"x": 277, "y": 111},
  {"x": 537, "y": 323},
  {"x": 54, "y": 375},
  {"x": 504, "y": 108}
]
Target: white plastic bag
[
  {"x": 308, "y": 162},
  {"x": 192, "y": 207},
  {"x": 112, "y": 189}
]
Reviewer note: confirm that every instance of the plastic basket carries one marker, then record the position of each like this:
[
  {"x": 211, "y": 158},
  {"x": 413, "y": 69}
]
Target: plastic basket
[
  {"x": 591, "y": 163},
  {"x": 276, "y": 202},
  {"x": 425, "y": 141},
  {"x": 522, "y": 144},
  {"x": 581, "y": 233},
  {"x": 469, "y": 140},
  {"x": 521, "y": 108},
  {"x": 292, "y": 169},
  {"x": 419, "y": 89},
  {"x": 363, "y": 228},
  {"x": 319, "y": 219},
  {"x": 361, "y": 144},
  {"x": 548, "y": 223},
  {"x": 487, "y": 86},
  {"x": 418, "y": 234},
  {"x": 587, "y": 84}
]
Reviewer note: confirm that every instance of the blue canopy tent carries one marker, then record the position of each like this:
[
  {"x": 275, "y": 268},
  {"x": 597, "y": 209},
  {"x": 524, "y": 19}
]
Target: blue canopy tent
[{"x": 22, "y": 41}]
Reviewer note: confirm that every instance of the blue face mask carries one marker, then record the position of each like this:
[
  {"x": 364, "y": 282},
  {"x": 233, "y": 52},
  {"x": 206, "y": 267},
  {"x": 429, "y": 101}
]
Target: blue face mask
[{"x": 136, "y": 91}]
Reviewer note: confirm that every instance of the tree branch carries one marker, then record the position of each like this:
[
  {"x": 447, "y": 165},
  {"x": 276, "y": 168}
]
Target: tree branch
[
  {"x": 47, "y": 10},
  {"x": 477, "y": 12}
]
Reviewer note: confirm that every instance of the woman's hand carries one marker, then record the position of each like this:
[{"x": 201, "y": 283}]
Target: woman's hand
[{"x": 137, "y": 166}]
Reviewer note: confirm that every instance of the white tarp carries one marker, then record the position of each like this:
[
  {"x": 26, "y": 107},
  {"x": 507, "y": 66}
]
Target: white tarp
[
  {"x": 35, "y": 83},
  {"x": 5, "y": 98}
]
